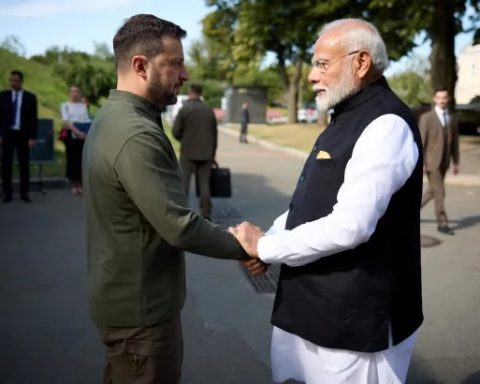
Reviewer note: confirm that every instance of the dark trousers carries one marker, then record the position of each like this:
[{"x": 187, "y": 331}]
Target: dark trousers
[
  {"x": 15, "y": 141},
  {"x": 73, "y": 154},
  {"x": 143, "y": 355},
  {"x": 436, "y": 191},
  {"x": 202, "y": 170},
  {"x": 243, "y": 132}
]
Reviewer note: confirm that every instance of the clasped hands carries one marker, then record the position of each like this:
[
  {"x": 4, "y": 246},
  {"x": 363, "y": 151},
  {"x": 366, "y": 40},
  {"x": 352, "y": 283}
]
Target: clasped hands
[{"x": 248, "y": 235}]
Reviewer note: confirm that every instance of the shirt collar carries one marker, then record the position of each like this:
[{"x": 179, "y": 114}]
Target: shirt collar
[
  {"x": 440, "y": 111},
  {"x": 144, "y": 105}
]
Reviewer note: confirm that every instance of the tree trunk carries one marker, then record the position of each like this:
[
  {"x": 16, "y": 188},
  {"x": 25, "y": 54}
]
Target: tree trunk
[
  {"x": 442, "y": 57},
  {"x": 292, "y": 98}
]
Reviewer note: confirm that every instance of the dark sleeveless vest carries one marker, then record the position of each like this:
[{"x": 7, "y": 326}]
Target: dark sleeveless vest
[{"x": 347, "y": 300}]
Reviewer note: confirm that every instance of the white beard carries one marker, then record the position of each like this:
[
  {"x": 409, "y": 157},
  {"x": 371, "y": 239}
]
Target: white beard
[{"x": 336, "y": 94}]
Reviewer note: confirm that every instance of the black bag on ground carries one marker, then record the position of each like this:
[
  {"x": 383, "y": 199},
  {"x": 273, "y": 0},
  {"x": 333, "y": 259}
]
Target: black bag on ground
[{"x": 220, "y": 184}]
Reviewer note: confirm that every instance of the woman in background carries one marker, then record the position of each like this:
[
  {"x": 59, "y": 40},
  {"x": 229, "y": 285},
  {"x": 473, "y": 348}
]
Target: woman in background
[{"x": 74, "y": 111}]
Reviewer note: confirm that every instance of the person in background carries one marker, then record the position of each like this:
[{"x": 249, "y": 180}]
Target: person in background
[
  {"x": 18, "y": 132},
  {"x": 74, "y": 111},
  {"x": 439, "y": 130},
  {"x": 195, "y": 126},
  {"x": 244, "y": 121},
  {"x": 348, "y": 304},
  {"x": 87, "y": 103}
]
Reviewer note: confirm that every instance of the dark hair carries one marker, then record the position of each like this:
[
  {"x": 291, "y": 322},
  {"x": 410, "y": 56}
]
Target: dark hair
[
  {"x": 141, "y": 34},
  {"x": 440, "y": 89},
  {"x": 18, "y": 73},
  {"x": 196, "y": 88}
]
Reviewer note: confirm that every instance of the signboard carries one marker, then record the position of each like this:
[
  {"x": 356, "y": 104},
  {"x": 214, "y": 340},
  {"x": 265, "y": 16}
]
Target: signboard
[{"x": 43, "y": 151}]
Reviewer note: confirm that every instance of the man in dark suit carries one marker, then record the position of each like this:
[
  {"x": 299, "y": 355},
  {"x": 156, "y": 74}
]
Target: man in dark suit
[
  {"x": 439, "y": 130},
  {"x": 244, "y": 121},
  {"x": 18, "y": 131},
  {"x": 195, "y": 127}
]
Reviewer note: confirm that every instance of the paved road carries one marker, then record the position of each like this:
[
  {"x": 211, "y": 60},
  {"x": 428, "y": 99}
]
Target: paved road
[{"x": 47, "y": 336}]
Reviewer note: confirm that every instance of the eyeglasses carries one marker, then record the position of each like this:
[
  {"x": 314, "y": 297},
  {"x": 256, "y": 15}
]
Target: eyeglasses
[{"x": 323, "y": 65}]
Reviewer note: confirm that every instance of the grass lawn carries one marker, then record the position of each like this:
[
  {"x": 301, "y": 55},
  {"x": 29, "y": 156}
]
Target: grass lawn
[{"x": 299, "y": 136}]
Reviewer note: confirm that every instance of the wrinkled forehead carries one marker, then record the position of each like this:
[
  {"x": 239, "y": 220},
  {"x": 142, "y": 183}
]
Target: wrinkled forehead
[{"x": 327, "y": 45}]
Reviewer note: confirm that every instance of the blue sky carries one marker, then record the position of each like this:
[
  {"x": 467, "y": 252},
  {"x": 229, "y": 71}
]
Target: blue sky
[{"x": 40, "y": 24}]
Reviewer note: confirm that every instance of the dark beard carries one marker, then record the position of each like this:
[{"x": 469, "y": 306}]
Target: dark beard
[{"x": 159, "y": 95}]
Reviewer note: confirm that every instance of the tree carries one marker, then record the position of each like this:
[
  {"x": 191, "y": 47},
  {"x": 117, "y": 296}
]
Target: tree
[
  {"x": 94, "y": 75},
  {"x": 248, "y": 29},
  {"x": 252, "y": 28},
  {"x": 14, "y": 45},
  {"x": 413, "y": 87}
]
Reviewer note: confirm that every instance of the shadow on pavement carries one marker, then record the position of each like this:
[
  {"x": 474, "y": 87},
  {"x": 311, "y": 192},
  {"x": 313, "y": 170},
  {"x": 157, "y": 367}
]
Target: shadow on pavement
[
  {"x": 473, "y": 379},
  {"x": 466, "y": 222}
]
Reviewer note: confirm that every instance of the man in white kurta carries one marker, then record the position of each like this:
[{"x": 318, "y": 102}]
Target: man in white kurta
[{"x": 384, "y": 157}]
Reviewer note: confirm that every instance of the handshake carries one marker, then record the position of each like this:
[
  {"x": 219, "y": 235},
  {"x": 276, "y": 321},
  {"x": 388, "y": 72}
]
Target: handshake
[{"x": 248, "y": 235}]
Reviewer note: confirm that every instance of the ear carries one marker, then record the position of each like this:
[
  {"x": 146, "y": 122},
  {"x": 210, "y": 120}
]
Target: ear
[
  {"x": 140, "y": 65},
  {"x": 363, "y": 64}
]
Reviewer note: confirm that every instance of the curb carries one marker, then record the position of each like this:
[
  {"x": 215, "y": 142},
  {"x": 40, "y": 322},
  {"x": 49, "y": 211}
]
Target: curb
[
  {"x": 268, "y": 144},
  {"x": 44, "y": 182}
]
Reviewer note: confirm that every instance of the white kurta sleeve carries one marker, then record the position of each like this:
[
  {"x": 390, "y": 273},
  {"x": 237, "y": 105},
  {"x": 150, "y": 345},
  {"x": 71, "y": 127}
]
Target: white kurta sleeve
[
  {"x": 278, "y": 224},
  {"x": 382, "y": 160}
]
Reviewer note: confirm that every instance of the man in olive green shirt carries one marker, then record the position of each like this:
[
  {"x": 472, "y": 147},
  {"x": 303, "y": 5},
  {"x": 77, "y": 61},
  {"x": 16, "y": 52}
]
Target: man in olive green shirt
[{"x": 138, "y": 222}]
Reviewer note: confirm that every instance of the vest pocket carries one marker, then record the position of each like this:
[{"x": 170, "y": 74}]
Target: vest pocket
[{"x": 325, "y": 163}]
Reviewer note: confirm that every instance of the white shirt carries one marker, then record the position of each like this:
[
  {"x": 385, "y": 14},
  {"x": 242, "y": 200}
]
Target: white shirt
[
  {"x": 382, "y": 160},
  {"x": 441, "y": 115},
  {"x": 19, "y": 94},
  {"x": 74, "y": 112}
]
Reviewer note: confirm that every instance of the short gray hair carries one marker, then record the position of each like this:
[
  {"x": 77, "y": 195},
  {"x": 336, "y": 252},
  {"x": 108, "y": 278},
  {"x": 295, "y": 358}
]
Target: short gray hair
[{"x": 363, "y": 35}]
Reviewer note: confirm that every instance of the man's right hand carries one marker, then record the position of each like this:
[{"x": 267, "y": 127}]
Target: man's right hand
[{"x": 255, "y": 266}]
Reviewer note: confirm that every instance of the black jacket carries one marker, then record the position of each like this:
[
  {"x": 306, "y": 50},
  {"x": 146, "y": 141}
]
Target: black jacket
[
  {"x": 195, "y": 127},
  {"x": 28, "y": 114}
]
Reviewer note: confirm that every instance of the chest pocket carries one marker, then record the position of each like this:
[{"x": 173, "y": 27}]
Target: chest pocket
[{"x": 324, "y": 179}]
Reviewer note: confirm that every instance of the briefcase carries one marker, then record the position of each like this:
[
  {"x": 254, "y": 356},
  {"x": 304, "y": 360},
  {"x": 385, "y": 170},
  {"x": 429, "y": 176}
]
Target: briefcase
[{"x": 220, "y": 184}]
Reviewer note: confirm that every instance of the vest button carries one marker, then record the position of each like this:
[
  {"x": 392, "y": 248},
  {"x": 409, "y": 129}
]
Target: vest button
[
  {"x": 290, "y": 206},
  {"x": 302, "y": 178},
  {"x": 315, "y": 147}
]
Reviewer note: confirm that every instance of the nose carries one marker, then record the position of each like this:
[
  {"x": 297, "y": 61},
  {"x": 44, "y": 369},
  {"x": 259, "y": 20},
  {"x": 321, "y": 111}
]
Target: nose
[
  {"x": 184, "y": 74},
  {"x": 313, "y": 76}
]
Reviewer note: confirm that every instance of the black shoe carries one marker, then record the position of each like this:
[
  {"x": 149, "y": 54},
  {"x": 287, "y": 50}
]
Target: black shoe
[
  {"x": 6, "y": 199},
  {"x": 446, "y": 230},
  {"x": 26, "y": 199}
]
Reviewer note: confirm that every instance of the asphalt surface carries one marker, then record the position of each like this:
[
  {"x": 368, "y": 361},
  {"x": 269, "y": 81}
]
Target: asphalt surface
[{"x": 47, "y": 336}]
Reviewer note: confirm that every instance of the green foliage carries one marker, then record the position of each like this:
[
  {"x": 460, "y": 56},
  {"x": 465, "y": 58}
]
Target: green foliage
[
  {"x": 412, "y": 87},
  {"x": 246, "y": 30},
  {"x": 13, "y": 44},
  {"x": 39, "y": 78},
  {"x": 95, "y": 75},
  {"x": 48, "y": 76}
]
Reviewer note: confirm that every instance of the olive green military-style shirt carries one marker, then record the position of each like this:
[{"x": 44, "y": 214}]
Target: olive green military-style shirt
[{"x": 138, "y": 222}]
